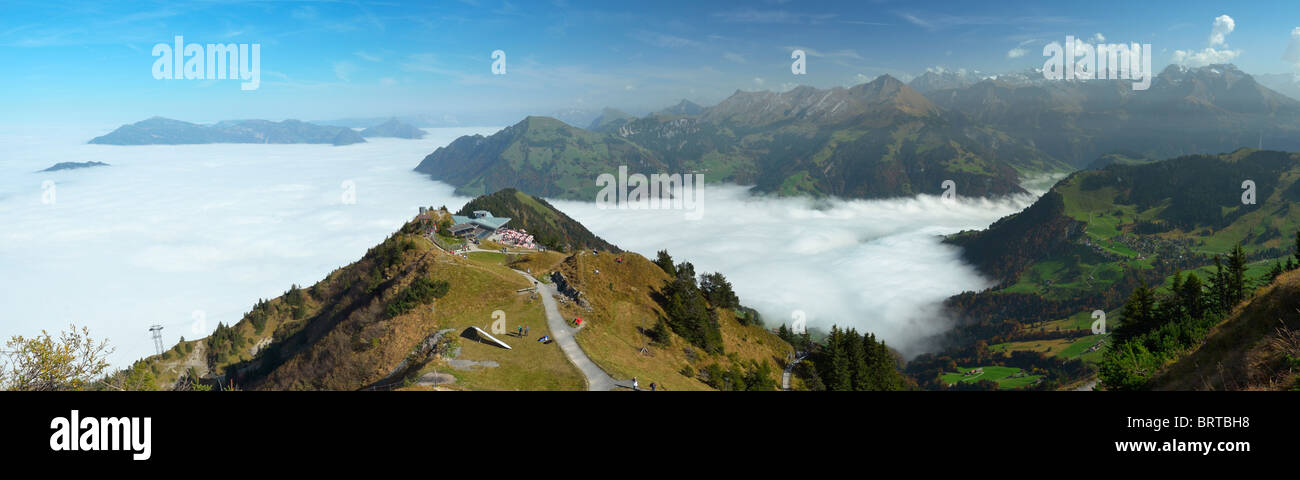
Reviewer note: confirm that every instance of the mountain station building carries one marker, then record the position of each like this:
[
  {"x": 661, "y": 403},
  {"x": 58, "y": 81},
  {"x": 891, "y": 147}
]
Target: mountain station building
[{"x": 479, "y": 226}]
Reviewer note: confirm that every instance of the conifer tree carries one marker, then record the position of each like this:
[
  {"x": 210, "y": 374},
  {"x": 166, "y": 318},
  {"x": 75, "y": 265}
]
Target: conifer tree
[{"x": 1192, "y": 297}]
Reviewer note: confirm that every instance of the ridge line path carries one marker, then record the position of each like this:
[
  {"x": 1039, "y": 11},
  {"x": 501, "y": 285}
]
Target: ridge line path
[{"x": 597, "y": 379}]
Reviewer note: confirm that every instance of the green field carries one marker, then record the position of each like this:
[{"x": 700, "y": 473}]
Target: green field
[
  {"x": 1003, "y": 375},
  {"x": 495, "y": 258}
]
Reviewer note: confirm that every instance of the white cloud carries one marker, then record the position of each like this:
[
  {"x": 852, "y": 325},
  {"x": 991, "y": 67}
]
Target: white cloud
[
  {"x": 1217, "y": 52},
  {"x": 167, "y": 230},
  {"x": 1016, "y": 52},
  {"x": 1292, "y": 53},
  {"x": 750, "y": 15},
  {"x": 1207, "y": 56},
  {"x": 1223, "y": 25},
  {"x": 1098, "y": 37},
  {"x": 842, "y": 53},
  {"x": 876, "y": 265},
  {"x": 663, "y": 40},
  {"x": 344, "y": 70}
]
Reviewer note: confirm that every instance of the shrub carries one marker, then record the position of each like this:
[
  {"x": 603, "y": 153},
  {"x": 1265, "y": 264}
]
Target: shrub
[{"x": 421, "y": 291}]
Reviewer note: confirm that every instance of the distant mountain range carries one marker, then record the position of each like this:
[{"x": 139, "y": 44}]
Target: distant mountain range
[
  {"x": 74, "y": 165},
  {"x": 1211, "y": 109},
  {"x": 941, "y": 79},
  {"x": 393, "y": 128},
  {"x": 875, "y": 140},
  {"x": 1285, "y": 83},
  {"x": 1192, "y": 202},
  {"x": 884, "y": 138},
  {"x": 165, "y": 131},
  {"x": 610, "y": 119}
]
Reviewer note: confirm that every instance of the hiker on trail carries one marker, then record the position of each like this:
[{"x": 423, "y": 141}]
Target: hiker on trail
[
  {"x": 652, "y": 386},
  {"x": 519, "y": 331},
  {"x": 634, "y": 384},
  {"x": 525, "y": 330}
]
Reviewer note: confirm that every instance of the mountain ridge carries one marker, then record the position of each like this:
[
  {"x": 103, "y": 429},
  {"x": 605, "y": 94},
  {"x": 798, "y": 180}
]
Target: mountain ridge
[{"x": 166, "y": 131}]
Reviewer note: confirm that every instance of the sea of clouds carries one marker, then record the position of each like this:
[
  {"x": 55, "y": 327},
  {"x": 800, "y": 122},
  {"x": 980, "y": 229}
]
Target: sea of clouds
[
  {"x": 168, "y": 231},
  {"x": 189, "y": 236},
  {"x": 875, "y": 265}
]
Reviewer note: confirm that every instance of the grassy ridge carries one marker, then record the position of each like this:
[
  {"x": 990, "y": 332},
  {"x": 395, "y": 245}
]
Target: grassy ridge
[
  {"x": 1245, "y": 351},
  {"x": 1106, "y": 230}
]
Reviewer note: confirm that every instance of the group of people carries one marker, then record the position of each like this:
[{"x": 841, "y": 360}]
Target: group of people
[
  {"x": 636, "y": 386},
  {"x": 518, "y": 238}
]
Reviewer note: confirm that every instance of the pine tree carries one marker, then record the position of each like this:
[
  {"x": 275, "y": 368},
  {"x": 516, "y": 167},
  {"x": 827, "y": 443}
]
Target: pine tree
[
  {"x": 1139, "y": 314},
  {"x": 1219, "y": 286},
  {"x": 1236, "y": 277},
  {"x": 884, "y": 373},
  {"x": 1192, "y": 297},
  {"x": 665, "y": 261},
  {"x": 1173, "y": 308},
  {"x": 717, "y": 290},
  {"x": 857, "y": 358},
  {"x": 1276, "y": 272},
  {"x": 839, "y": 376},
  {"x": 1296, "y": 253}
]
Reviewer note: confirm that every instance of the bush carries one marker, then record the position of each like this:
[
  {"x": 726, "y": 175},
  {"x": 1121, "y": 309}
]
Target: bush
[
  {"x": 421, "y": 291},
  {"x": 660, "y": 334}
]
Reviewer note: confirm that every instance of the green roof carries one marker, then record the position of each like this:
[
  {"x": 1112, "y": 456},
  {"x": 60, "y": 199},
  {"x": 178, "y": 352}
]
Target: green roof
[{"x": 485, "y": 222}]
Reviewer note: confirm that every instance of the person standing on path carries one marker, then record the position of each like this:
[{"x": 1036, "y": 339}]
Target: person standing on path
[
  {"x": 634, "y": 384},
  {"x": 525, "y": 330}
]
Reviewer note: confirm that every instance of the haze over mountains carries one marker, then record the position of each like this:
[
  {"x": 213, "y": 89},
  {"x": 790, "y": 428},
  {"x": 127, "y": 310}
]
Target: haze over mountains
[
  {"x": 165, "y": 131},
  {"x": 874, "y": 140},
  {"x": 1211, "y": 109},
  {"x": 393, "y": 128},
  {"x": 884, "y": 138}
]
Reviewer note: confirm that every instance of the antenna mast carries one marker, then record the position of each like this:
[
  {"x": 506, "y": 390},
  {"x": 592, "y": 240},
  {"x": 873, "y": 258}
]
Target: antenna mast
[{"x": 157, "y": 337}]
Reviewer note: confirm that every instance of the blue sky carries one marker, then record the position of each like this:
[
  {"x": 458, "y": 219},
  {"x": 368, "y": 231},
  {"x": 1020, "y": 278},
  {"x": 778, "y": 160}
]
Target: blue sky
[{"x": 91, "y": 62}]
